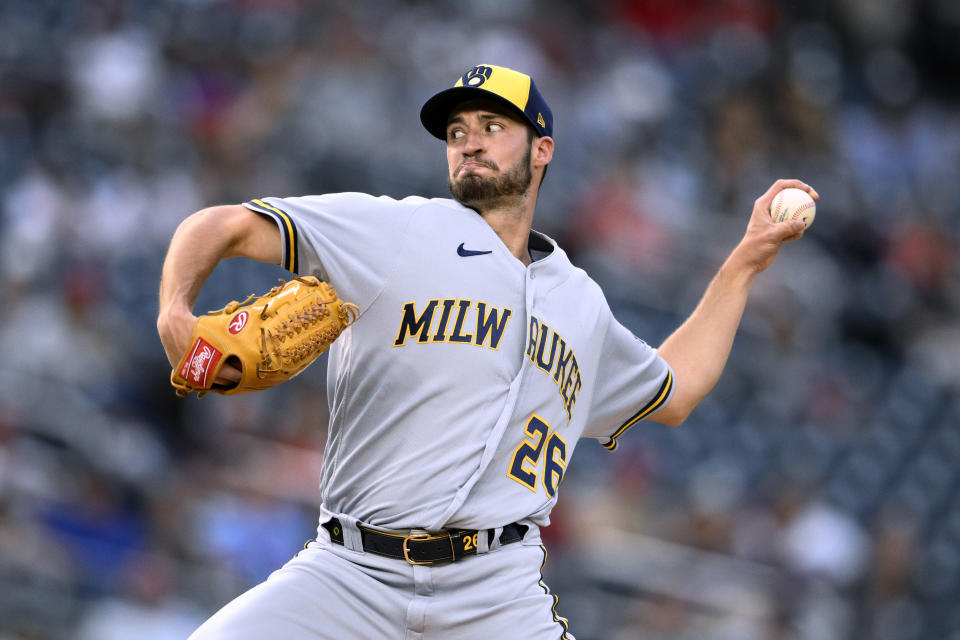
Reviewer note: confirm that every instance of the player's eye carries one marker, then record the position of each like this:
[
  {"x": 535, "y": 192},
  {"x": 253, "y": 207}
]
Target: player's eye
[
  {"x": 455, "y": 134},
  {"x": 494, "y": 126}
]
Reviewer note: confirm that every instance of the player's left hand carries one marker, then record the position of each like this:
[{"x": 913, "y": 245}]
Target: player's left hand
[
  {"x": 763, "y": 238},
  {"x": 176, "y": 329}
]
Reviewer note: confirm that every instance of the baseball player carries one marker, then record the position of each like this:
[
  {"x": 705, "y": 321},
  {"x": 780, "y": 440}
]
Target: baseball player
[{"x": 479, "y": 360}]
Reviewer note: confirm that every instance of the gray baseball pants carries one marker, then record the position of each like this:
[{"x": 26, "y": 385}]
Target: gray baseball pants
[{"x": 330, "y": 592}]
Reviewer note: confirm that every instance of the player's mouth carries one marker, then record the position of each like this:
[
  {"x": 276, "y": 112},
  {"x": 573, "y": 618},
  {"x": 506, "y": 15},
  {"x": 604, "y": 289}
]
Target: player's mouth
[{"x": 472, "y": 165}]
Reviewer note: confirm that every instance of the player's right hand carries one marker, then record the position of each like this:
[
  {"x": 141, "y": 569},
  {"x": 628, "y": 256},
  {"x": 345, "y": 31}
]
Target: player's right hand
[
  {"x": 176, "y": 329},
  {"x": 764, "y": 237}
]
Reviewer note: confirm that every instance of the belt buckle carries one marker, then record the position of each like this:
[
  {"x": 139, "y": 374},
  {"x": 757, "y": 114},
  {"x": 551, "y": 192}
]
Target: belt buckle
[{"x": 426, "y": 536}]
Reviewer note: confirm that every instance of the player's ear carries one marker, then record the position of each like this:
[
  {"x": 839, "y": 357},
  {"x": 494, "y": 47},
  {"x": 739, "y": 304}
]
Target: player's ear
[{"x": 542, "y": 152}]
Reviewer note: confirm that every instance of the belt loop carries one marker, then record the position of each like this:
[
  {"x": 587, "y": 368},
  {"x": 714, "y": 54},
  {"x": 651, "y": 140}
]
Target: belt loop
[
  {"x": 495, "y": 543},
  {"x": 484, "y": 536},
  {"x": 351, "y": 533}
]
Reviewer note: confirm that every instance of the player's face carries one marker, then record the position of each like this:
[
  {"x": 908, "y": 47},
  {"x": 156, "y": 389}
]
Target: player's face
[{"x": 488, "y": 155}]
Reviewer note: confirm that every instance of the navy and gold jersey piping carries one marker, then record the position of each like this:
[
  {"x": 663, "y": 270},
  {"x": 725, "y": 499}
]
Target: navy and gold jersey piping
[
  {"x": 288, "y": 232},
  {"x": 658, "y": 401},
  {"x": 565, "y": 626}
]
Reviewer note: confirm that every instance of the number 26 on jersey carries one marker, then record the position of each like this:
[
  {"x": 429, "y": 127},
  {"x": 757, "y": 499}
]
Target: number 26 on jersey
[{"x": 540, "y": 444}]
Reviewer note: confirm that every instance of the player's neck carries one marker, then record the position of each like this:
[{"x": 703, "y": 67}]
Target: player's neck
[{"x": 512, "y": 224}]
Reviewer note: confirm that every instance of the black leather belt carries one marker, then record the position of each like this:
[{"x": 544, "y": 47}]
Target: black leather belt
[{"x": 449, "y": 545}]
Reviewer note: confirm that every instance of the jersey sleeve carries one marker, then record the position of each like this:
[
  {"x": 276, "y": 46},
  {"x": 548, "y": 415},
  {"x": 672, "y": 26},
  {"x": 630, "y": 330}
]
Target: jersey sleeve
[
  {"x": 632, "y": 383},
  {"x": 346, "y": 239}
]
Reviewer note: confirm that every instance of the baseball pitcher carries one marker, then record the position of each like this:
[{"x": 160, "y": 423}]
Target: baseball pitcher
[{"x": 477, "y": 359}]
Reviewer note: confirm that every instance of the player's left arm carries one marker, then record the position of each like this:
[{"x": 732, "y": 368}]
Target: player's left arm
[{"x": 698, "y": 350}]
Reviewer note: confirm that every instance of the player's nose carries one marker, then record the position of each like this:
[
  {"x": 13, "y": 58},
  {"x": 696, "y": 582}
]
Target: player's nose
[{"x": 473, "y": 142}]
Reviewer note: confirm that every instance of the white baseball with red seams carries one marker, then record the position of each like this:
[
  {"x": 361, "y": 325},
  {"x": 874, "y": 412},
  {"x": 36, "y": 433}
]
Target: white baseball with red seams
[{"x": 793, "y": 204}]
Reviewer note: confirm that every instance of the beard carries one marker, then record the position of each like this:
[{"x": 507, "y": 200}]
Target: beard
[{"x": 478, "y": 192}]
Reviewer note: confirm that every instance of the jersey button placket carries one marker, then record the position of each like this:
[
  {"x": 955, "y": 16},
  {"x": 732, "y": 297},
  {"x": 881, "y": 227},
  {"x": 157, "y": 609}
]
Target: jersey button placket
[
  {"x": 531, "y": 303},
  {"x": 531, "y": 293}
]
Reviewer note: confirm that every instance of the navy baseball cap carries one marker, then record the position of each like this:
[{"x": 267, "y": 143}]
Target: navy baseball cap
[{"x": 514, "y": 89}]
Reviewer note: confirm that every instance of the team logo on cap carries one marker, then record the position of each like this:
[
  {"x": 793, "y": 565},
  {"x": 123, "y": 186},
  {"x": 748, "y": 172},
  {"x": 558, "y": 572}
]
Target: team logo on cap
[{"x": 476, "y": 76}]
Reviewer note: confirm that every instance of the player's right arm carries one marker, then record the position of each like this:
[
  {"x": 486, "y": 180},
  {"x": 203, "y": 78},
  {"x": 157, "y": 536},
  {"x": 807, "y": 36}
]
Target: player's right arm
[
  {"x": 698, "y": 350},
  {"x": 198, "y": 245}
]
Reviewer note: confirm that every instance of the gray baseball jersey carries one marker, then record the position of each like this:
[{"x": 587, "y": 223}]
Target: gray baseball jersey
[{"x": 458, "y": 396}]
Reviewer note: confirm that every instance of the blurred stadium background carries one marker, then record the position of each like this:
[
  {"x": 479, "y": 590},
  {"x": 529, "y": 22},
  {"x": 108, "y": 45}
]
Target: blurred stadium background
[{"x": 815, "y": 495}]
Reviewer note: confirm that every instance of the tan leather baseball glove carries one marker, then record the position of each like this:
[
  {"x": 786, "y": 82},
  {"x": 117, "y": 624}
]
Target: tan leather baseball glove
[{"x": 270, "y": 338}]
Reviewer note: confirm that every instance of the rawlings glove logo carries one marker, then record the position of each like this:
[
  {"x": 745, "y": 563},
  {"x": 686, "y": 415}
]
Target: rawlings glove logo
[
  {"x": 201, "y": 361},
  {"x": 239, "y": 322},
  {"x": 198, "y": 368}
]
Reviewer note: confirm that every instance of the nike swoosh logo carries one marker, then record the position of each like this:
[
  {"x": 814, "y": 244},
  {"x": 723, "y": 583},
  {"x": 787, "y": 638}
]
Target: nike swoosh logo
[{"x": 463, "y": 253}]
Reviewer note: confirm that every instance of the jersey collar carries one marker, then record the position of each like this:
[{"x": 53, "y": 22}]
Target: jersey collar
[{"x": 539, "y": 246}]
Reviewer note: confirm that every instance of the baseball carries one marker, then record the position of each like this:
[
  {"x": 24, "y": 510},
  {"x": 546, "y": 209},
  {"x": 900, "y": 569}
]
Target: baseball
[{"x": 791, "y": 204}]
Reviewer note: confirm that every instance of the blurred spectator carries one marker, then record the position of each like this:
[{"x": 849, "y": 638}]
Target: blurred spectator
[{"x": 148, "y": 609}]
